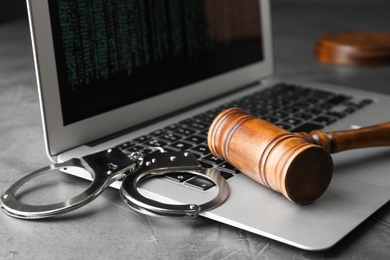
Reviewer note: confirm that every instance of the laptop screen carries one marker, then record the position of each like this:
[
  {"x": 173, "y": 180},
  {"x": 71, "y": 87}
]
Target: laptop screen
[{"x": 113, "y": 53}]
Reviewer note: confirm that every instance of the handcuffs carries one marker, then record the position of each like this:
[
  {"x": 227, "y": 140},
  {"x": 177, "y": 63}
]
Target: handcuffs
[{"x": 113, "y": 165}]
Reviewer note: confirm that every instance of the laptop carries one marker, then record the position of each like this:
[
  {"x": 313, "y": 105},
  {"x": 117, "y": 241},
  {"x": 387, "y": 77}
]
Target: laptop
[{"x": 135, "y": 74}]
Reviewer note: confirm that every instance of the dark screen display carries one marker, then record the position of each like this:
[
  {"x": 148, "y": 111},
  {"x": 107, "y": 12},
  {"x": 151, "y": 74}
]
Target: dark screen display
[{"x": 112, "y": 53}]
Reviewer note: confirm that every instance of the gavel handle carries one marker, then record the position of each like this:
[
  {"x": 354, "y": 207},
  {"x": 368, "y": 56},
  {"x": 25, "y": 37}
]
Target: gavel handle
[{"x": 338, "y": 141}]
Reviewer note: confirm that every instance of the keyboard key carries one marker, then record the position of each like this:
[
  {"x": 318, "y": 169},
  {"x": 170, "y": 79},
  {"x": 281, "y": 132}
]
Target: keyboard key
[
  {"x": 195, "y": 139},
  {"x": 213, "y": 159},
  {"x": 197, "y": 156},
  {"x": 204, "y": 164},
  {"x": 229, "y": 167},
  {"x": 198, "y": 126},
  {"x": 172, "y": 127},
  {"x": 322, "y": 94},
  {"x": 200, "y": 183},
  {"x": 314, "y": 111},
  {"x": 155, "y": 142},
  {"x": 158, "y": 132},
  {"x": 292, "y": 121},
  {"x": 291, "y": 110},
  {"x": 181, "y": 145},
  {"x": 214, "y": 112},
  {"x": 170, "y": 137},
  {"x": 179, "y": 177},
  {"x": 326, "y": 106},
  {"x": 336, "y": 114},
  {"x": 305, "y": 92},
  {"x": 204, "y": 132},
  {"x": 302, "y": 105},
  {"x": 366, "y": 102},
  {"x": 125, "y": 145},
  {"x": 202, "y": 149},
  {"x": 337, "y": 99},
  {"x": 313, "y": 100},
  {"x": 280, "y": 114},
  {"x": 308, "y": 127},
  {"x": 186, "y": 121},
  {"x": 326, "y": 120},
  {"x": 350, "y": 110},
  {"x": 184, "y": 131},
  {"x": 304, "y": 116},
  {"x": 204, "y": 118},
  {"x": 258, "y": 112},
  {"x": 226, "y": 175},
  {"x": 284, "y": 126},
  {"x": 142, "y": 139}
]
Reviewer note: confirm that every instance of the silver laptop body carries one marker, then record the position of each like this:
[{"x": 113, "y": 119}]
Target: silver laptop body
[{"x": 361, "y": 180}]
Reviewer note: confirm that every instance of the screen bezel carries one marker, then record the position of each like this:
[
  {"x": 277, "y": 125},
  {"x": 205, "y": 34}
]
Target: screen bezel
[{"x": 60, "y": 137}]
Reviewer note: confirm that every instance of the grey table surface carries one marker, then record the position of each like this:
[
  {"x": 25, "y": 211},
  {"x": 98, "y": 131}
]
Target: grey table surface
[{"x": 107, "y": 229}]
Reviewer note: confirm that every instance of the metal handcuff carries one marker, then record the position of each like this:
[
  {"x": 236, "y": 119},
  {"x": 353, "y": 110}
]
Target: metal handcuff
[{"x": 113, "y": 165}]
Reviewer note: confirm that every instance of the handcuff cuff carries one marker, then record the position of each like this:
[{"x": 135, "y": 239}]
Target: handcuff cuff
[{"x": 113, "y": 165}]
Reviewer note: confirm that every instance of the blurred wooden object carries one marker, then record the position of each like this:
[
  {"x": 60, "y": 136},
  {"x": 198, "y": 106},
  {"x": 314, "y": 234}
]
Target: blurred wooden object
[
  {"x": 297, "y": 165},
  {"x": 354, "y": 48}
]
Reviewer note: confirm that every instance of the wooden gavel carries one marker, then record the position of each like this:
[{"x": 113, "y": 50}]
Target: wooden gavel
[{"x": 298, "y": 165}]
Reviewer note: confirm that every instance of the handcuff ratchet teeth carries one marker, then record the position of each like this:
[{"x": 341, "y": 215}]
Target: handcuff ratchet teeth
[{"x": 113, "y": 165}]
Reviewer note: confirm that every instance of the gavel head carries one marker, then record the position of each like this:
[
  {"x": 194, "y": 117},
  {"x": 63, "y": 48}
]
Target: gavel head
[{"x": 271, "y": 155}]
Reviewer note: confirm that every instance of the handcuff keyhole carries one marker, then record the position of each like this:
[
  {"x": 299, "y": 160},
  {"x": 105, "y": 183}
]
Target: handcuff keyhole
[{"x": 111, "y": 167}]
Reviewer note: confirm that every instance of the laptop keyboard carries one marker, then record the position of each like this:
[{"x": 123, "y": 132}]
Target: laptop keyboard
[{"x": 289, "y": 106}]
